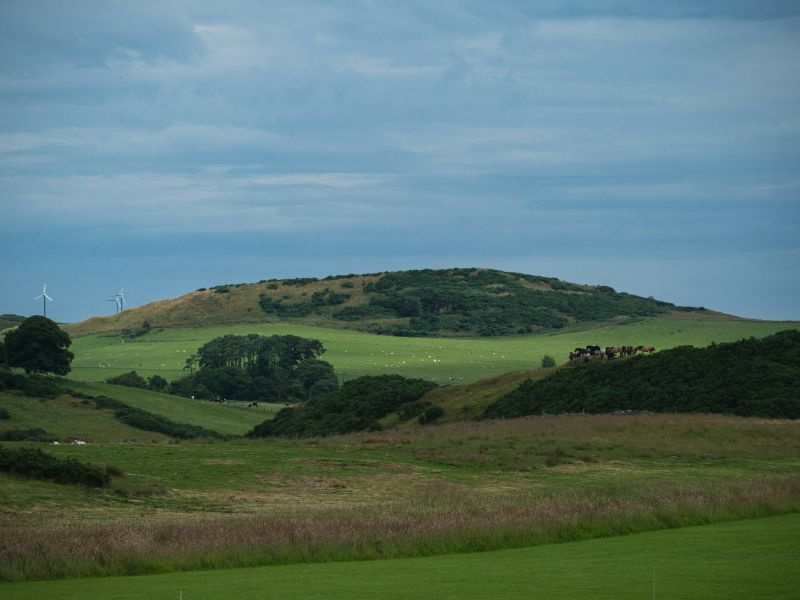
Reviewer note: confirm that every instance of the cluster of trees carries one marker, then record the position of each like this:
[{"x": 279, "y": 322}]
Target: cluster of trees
[
  {"x": 37, "y": 345},
  {"x": 255, "y": 368},
  {"x": 747, "y": 378},
  {"x": 466, "y": 302},
  {"x": 357, "y": 406}
]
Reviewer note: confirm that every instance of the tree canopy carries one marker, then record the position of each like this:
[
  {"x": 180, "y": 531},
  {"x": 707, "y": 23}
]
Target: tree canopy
[
  {"x": 39, "y": 345},
  {"x": 278, "y": 368}
]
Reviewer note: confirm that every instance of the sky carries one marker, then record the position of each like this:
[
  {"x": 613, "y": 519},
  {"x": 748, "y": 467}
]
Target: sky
[{"x": 160, "y": 147}]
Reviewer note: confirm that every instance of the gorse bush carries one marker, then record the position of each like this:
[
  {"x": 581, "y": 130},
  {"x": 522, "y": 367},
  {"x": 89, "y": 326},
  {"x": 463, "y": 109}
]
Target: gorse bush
[
  {"x": 746, "y": 378},
  {"x": 35, "y": 463}
]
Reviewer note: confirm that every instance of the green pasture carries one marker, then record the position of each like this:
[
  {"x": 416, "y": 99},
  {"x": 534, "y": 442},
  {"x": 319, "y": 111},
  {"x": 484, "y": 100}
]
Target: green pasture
[
  {"x": 492, "y": 459},
  {"x": 66, "y": 417},
  {"x": 234, "y": 418},
  {"x": 745, "y": 559},
  {"x": 445, "y": 360}
]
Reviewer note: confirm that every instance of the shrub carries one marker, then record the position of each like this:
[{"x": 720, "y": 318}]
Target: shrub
[
  {"x": 157, "y": 383},
  {"x": 548, "y": 362},
  {"x": 355, "y": 407},
  {"x": 26, "y": 435},
  {"x": 431, "y": 414},
  {"x": 4, "y": 414},
  {"x": 39, "y": 386},
  {"x": 32, "y": 462},
  {"x": 132, "y": 379}
]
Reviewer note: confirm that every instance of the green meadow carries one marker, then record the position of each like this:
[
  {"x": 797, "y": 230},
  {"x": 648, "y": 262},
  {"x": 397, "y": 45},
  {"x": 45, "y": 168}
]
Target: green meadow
[
  {"x": 457, "y": 487},
  {"x": 743, "y": 559},
  {"x": 445, "y": 360}
]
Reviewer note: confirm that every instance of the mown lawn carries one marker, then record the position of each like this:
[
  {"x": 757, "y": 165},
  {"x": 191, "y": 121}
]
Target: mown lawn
[
  {"x": 744, "y": 559},
  {"x": 354, "y": 354}
]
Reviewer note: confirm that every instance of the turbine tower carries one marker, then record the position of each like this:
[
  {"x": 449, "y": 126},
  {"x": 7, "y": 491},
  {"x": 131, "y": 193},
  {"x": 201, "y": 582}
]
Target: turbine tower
[
  {"x": 115, "y": 300},
  {"x": 44, "y": 298},
  {"x": 119, "y": 299}
]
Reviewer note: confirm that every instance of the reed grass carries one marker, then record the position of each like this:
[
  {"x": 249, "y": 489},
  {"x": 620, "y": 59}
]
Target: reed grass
[{"x": 438, "y": 522}]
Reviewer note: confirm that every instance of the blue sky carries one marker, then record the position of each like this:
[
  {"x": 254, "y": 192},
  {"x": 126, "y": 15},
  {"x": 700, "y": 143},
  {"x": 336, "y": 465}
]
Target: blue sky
[{"x": 164, "y": 146}]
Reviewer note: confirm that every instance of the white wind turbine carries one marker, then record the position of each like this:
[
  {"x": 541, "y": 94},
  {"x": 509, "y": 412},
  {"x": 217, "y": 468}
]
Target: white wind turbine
[
  {"x": 119, "y": 300},
  {"x": 115, "y": 300},
  {"x": 44, "y": 298}
]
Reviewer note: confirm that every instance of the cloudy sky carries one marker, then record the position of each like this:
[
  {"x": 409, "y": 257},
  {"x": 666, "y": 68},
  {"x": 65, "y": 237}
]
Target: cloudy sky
[{"x": 164, "y": 146}]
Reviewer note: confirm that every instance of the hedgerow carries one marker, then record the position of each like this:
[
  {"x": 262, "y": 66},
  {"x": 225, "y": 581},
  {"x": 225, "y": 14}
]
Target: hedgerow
[
  {"x": 147, "y": 421},
  {"x": 33, "y": 462}
]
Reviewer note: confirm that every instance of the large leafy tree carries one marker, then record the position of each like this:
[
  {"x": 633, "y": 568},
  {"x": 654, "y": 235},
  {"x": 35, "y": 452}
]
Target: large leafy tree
[{"x": 39, "y": 345}]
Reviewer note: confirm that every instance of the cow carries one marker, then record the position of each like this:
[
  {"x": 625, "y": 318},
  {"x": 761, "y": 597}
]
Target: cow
[{"x": 646, "y": 349}]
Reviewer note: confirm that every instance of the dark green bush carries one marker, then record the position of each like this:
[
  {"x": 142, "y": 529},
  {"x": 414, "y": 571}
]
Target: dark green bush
[
  {"x": 747, "y": 378},
  {"x": 157, "y": 383},
  {"x": 131, "y": 379},
  {"x": 431, "y": 414},
  {"x": 548, "y": 362},
  {"x": 26, "y": 435},
  {"x": 35, "y": 463},
  {"x": 4, "y": 414},
  {"x": 355, "y": 407}
]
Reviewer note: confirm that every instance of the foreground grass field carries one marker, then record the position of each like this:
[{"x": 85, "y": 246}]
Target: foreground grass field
[
  {"x": 741, "y": 559},
  {"x": 353, "y": 354},
  {"x": 453, "y": 488}
]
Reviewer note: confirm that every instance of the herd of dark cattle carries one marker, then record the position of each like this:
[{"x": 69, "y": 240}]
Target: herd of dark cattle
[{"x": 609, "y": 352}]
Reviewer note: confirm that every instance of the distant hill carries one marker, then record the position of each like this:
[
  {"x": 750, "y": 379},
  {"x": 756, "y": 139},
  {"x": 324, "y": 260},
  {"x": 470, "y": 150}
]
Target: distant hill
[
  {"x": 747, "y": 378},
  {"x": 446, "y": 303},
  {"x": 7, "y": 321}
]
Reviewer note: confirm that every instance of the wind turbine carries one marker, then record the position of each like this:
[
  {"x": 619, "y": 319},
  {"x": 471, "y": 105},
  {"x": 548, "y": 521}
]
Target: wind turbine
[
  {"x": 115, "y": 300},
  {"x": 119, "y": 299},
  {"x": 44, "y": 298}
]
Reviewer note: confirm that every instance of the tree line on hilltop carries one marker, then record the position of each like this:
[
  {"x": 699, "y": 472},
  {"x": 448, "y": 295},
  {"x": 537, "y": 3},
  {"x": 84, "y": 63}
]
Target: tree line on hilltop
[
  {"x": 463, "y": 302},
  {"x": 752, "y": 377}
]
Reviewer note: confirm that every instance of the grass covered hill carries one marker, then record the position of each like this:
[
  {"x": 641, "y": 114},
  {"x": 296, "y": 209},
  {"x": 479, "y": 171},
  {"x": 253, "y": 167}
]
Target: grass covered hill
[
  {"x": 447, "y": 302},
  {"x": 752, "y": 377}
]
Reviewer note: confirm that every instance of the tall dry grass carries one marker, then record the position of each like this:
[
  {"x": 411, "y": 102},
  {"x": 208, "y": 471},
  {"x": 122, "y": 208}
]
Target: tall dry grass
[{"x": 439, "y": 521}]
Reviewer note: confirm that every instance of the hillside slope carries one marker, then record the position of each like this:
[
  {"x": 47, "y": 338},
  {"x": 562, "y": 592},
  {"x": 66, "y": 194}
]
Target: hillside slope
[
  {"x": 441, "y": 303},
  {"x": 747, "y": 378}
]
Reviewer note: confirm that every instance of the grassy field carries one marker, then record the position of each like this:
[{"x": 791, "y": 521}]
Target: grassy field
[
  {"x": 742, "y": 559},
  {"x": 66, "y": 417},
  {"x": 433, "y": 490},
  {"x": 353, "y": 354}
]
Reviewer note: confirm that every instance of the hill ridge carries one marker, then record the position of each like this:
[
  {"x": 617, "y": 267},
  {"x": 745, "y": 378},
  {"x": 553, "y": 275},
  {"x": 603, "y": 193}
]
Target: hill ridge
[{"x": 452, "y": 302}]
